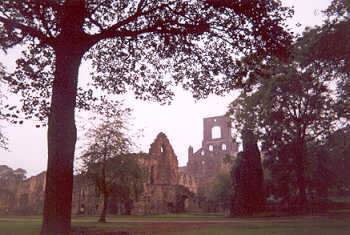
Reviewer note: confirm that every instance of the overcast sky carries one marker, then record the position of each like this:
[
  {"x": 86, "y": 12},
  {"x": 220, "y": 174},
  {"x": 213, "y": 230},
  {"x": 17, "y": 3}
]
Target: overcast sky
[{"x": 181, "y": 121}]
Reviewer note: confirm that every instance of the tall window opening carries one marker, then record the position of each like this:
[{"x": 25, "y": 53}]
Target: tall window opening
[
  {"x": 223, "y": 147},
  {"x": 216, "y": 132}
]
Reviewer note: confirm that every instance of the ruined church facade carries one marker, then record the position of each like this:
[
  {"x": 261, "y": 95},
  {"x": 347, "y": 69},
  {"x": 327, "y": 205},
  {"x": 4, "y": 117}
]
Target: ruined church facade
[{"x": 166, "y": 190}]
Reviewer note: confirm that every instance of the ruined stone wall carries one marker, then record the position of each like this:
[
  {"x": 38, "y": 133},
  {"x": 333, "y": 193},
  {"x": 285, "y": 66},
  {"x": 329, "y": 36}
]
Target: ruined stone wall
[
  {"x": 156, "y": 199},
  {"x": 187, "y": 181},
  {"x": 163, "y": 192},
  {"x": 165, "y": 169},
  {"x": 30, "y": 195},
  {"x": 7, "y": 190},
  {"x": 23, "y": 197},
  {"x": 86, "y": 197}
]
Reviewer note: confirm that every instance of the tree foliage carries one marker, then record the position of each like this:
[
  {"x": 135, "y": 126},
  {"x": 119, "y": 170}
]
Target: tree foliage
[
  {"x": 327, "y": 165},
  {"x": 329, "y": 43},
  {"x": 320, "y": 175},
  {"x": 329, "y": 47},
  {"x": 338, "y": 149},
  {"x": 289, "y": 107}
]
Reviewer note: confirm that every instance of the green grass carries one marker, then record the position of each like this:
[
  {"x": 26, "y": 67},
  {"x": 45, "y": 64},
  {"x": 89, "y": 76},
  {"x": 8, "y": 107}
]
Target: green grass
[
  {"x": 30, "y": 225},
  {"x": 321, "y": 227},
  {"x": 166, "y": 217},
  {"x": 19, "y": 226},
  {"x": 217, "y": 225},
  {"x": 343, "y": 199}
]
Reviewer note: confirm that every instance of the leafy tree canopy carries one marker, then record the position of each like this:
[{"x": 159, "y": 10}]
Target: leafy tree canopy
[
  {"x": 329, "y": 43},
  {"x": 139, "y": 45},
  {"x": 287, "y": 101}
]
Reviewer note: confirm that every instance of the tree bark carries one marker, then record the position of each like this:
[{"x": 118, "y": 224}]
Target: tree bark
[
  {"x": 301, "y": 181},
  {"x": 128, "y": 205},
  {"x": 61, "y": 142},
  {"x": 104, "y": 210},
  {"x": 104, "y": 190}
]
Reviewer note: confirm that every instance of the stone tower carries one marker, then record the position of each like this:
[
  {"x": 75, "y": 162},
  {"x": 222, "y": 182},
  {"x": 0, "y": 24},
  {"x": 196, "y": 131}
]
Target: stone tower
[
  {"x": 217, "y": 142},
  {"x": 217, "y": 138}
]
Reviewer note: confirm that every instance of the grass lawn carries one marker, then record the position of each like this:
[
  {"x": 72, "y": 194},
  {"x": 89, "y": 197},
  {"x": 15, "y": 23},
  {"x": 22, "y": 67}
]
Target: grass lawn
[
  {"x": 191, "y": 224},
  {"x": 275, "y": 228},
  {"x": 31, "y": 225}
]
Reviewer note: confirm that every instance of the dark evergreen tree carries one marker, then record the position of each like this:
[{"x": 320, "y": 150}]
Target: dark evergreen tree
[{"x": 249, "y": 195}]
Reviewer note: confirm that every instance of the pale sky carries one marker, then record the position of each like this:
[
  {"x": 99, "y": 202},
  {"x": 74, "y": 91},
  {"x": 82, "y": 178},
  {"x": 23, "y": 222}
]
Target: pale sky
[{"x": 181, "y": 121}]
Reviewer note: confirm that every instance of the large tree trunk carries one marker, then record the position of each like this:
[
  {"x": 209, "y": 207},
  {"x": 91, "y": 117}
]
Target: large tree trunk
[
  {"x": 69, "y": 47},
  {"x": 301, "y": 181},
  {"x": 61, "y": 143},
  {"x": 128, "y": 205},
  {"x": 104, "y": 209}
]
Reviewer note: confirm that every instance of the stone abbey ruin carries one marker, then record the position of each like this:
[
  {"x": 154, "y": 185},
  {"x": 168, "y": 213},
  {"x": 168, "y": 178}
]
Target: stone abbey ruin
[{"x": 167, "y": 189}]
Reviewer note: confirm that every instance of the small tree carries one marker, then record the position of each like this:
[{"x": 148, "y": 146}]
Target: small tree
[{"x": 106, "y": 163}]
